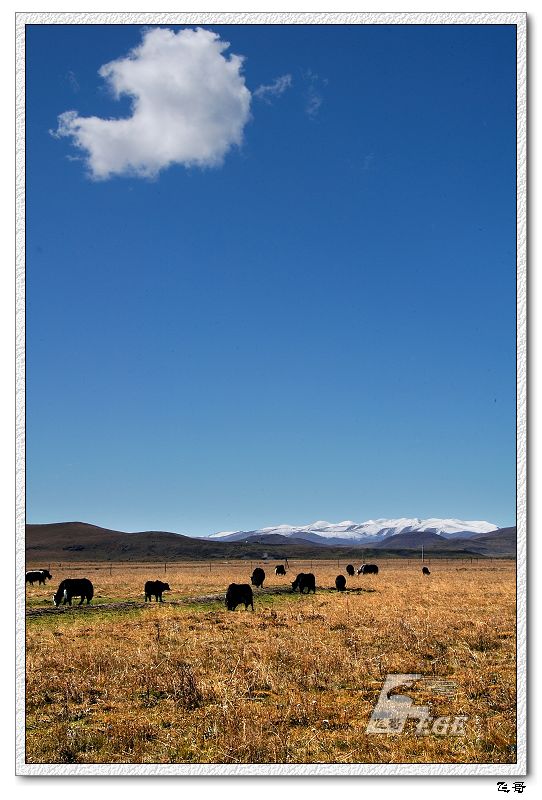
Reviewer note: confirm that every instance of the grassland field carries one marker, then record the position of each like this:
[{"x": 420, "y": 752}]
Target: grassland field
[{"x": 294, "y": 682}]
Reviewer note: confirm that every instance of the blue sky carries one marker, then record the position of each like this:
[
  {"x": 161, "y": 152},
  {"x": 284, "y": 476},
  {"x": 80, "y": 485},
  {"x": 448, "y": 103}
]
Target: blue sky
[{"x": 301, "y": 307}]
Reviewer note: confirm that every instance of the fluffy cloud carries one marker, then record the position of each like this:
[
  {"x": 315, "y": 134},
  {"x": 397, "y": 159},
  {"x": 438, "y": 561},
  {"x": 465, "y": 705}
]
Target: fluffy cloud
[
  {"x": 275, "y": 89},
  {"x": 189, "y": 106}
]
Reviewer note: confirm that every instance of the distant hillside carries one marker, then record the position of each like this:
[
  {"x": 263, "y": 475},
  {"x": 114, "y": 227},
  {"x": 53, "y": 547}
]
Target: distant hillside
[
  {"x": 415, "y": 539},
  {"x": 500, "y": 543},
  {"x": 79, "y": 541}
]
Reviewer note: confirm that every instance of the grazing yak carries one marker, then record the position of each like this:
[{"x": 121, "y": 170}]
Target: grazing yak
[
  {"x": 73, "y": 587},
  {"x": 155, "y": 589},
  {"x": 425, "y": 571},
  {"x": 350, "y": 569},
  {"x": 340, "y": 583},
  {"x": 238, "y": 593},
  {"x": 368, "y": 569},
  {"x": 40, "y": 575},
  {"x": 258, "y": 577},
  {"x": 279, "y": 569},
  {"x": 305, "y": 580}
]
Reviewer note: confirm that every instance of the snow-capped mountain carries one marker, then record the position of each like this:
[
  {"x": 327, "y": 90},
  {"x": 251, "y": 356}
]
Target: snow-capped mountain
[{"x": 372, "y": 531}]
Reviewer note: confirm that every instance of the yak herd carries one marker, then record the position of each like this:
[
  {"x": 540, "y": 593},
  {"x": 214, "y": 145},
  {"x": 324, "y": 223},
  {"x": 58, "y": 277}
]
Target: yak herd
[{"x": 236, "y": 594}]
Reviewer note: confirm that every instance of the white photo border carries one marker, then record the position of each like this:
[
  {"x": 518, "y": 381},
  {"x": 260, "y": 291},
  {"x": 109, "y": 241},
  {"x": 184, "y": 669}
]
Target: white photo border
[{"x": 519, "y": 767}]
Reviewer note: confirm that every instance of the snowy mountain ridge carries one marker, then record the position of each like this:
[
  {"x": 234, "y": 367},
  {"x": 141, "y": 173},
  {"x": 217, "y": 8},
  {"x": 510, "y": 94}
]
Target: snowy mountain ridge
[{"x": 369, "y": 531}]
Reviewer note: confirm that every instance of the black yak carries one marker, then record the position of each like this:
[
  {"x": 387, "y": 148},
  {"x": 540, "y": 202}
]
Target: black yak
[
  {"x": 258, "y": 577},
  {"x": 155, "y": 589},
  {"x": 305, "y": 580},
  {"x": 340, "y": 583},
  {"x": 39, "y": 575},
  {"x": 350, "y": 569},
  {"x": 368, "y": 569},
  {"x": 238, "y": 593},
  {"x": 425, "y": 571},
  {"x": 279, "y": 569},
  {"x": 73, "y": 587}
]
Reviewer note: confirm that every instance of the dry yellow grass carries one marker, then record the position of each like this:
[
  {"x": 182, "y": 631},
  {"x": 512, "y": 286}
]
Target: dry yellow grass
[{"x": 294, "y": 682}]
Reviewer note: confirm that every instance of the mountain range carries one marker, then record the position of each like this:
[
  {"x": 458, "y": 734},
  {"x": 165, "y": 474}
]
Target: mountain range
[
  {"x": 369, "y": 533},
  {"x": 80, "y": 541}
]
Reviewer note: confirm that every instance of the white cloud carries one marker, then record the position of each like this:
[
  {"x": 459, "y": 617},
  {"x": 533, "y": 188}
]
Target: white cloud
[
  {"x": 189, "y": 106},
  {"x": 314, "y": 101},
  {"x": 314, "y": 97},
  {"x": 274, "y": 89}
]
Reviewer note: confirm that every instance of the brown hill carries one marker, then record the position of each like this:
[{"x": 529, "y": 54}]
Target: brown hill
[
  {"x": 79, "y": 541},
  {"x": 413, "y": 540},
  {"x": 75, "y": 541},
  {"x": 500, "y": 543}
]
